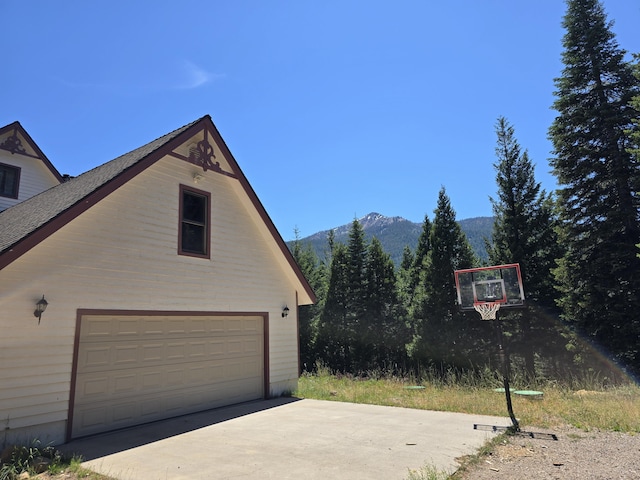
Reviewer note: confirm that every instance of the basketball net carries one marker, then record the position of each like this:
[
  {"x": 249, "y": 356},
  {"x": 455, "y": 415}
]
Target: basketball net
[{"x": 487, "y": 311}]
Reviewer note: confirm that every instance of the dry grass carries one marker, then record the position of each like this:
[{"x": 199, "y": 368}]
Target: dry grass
[{"x": 614, "y": 409}]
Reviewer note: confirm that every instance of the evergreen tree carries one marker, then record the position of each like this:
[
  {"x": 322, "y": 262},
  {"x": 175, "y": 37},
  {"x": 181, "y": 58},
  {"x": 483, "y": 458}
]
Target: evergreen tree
[
  {"x": 450, "y": 250},
  {"x": 423, "y": 248},
  {"x": 357, "y": 321},
  {"x": 524, "y": 225},
  {"x": 385, "y": 332},
  {"x": 415, "y": 291},
  {"x": 435, "y": 328},
  {"x": 523, "y": 232},
  {"x": 309, "y": 315},
  {"x": 634, "y": 130},
  {"x": 357, "y": 249},
  {"x": 404, "y": 290},
  {"x": 599, "y": 275},
  {"x": 335, "y": 332},
  {"x": 415, "y": 294}
]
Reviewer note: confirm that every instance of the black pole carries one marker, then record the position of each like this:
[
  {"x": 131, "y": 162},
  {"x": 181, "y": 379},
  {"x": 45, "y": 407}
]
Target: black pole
[{"x": 504, "y": 359}]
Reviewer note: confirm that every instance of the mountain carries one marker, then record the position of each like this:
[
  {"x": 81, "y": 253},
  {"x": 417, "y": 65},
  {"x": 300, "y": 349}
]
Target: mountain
[
  {"x": 477, "y": 229},
  {"x": 395, "y": 233}
]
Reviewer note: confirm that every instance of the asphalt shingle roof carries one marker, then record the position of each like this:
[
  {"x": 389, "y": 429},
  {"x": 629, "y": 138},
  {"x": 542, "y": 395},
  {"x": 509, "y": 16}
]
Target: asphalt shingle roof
[{"x": 21, "y": 220}]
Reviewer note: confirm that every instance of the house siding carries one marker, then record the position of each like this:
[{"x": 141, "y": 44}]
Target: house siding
[
  {"x": 122, "y": 254},
  {"x": 35, "y": 177}
]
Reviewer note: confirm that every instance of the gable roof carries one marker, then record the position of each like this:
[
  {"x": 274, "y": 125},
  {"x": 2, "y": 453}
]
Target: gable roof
[
  {"x": 28, "y": 223},
  {"x": 14, "y": 144}
]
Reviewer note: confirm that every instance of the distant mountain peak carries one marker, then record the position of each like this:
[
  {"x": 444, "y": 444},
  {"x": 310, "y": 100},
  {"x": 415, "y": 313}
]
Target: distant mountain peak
[
  {"x": 375, "y": 219},
  {"x": 394, "y": 233}
]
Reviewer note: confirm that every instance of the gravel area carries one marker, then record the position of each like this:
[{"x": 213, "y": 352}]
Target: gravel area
[{"x": 576, "y": 454}]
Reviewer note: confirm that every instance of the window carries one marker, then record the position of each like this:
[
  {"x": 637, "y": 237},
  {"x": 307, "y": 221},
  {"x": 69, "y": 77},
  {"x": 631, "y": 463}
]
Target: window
[
  {"x": 194, "y": 222},
  {"x": 9, "y": 180}
]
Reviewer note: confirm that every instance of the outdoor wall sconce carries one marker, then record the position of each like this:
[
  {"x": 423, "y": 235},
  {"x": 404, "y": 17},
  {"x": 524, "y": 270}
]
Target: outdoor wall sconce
[
  {"x": 41, "y": 306},
  {"x": 285, "y": 312}
]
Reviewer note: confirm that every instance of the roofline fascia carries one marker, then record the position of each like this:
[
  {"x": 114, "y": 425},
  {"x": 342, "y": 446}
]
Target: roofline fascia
[
  {"x": 27, "y": 243},
  {"x": 262, "y": 211},
  {"x": 44, "y": 231},
  {"x": 35, "y": 146}
]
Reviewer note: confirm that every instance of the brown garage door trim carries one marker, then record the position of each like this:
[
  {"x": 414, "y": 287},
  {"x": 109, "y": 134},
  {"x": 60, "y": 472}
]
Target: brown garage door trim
[{"x": 151, "y": 313}]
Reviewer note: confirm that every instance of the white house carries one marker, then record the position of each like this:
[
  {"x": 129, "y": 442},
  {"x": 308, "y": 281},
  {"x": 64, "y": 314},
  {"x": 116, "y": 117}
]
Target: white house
[
  {"x": 24, "y": 170},
  {"x": 168, "y": 288}
]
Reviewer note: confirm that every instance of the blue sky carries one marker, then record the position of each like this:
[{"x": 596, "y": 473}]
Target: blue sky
[{"x": 333, "y": 109}]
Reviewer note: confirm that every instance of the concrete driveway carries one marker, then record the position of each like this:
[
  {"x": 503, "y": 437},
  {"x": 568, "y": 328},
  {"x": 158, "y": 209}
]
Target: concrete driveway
[{"x": 287, "y": 438}]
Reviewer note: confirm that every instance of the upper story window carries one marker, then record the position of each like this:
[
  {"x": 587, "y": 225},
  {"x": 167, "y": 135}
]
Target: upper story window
[
  {"x": 194, "y": 236},
  {"x": 9, "y": 180}
]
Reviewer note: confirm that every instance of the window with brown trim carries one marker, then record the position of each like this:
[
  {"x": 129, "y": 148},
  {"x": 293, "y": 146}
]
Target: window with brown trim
[
  {"x": 9, "y": 180},
  {"x": 194, "y": 233}
]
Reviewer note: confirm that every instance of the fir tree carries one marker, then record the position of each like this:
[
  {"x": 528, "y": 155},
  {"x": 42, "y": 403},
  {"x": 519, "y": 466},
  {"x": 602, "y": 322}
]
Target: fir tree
[
  {"x": 309, "y": 315},
  {"x": 415, "y": 292},
  {"x": 523, "y": 232},
  {"x": 435, "y": 328},
  {"x": 524, "y": 222},
  {"x": 599, "y": 275},
  {"x": 335, "y": 333},
  {"x": 385, "y": 333},
  {"x": 357, "y": 249},
  {"x": 450, "y": 250}
]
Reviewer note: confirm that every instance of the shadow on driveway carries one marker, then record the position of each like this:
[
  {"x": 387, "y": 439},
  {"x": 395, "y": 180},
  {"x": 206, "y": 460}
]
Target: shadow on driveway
[
  {"x": 288, "y": 438},
  {"x": 101, "y": 445}
]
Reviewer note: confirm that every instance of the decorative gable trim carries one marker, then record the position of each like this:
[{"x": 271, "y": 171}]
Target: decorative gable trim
[
  {"x": 203, "y": 155},
  {"x": 144, "y": 158},
  {"x": 13, "y": 143}
]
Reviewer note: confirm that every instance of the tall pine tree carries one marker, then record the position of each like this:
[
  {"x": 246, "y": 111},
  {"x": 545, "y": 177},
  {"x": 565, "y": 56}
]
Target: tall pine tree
[
  {"x": 385, "y": 329},
  {"x": 435, "y": 315},
  {"x": 599, "y": 275},
  {"x": 335, "y": 333},
  {"x": 315, "y": 272},
  {"x": 361, "y": 327},
  {"x": 523, "y": 232},
  {"x": 523, "y": 229}
]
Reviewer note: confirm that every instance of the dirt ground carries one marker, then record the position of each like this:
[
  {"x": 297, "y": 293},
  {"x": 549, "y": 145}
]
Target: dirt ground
[{"x": 576, "y": 454}]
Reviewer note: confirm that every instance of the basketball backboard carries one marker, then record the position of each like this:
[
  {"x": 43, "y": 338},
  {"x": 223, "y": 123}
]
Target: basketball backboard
[{"x": 490, "y": 285}]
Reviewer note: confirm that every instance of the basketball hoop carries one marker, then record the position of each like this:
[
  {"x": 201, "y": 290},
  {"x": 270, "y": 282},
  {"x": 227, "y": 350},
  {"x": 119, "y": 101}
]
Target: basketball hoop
[{"x": 487, "y": 311}]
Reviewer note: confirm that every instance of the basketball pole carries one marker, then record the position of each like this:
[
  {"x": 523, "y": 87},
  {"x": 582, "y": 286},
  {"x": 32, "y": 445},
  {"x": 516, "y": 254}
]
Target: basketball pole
[{"x": 504, "y": 359}]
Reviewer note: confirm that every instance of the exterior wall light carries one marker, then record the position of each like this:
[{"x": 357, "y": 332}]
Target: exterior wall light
[
  {"x": 285, "y": 312},
  {"x": 41, "y": 306}
]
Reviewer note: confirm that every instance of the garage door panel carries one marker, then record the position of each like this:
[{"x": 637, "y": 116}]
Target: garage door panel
[
  {"x": 125, "y": 355},
  {"x": 252, "y": 345},
  {"x": 152, "y": 352},
  {"x": 130, "y": 353},
  {"x": 95, "y": 357},
  {"x": 109, "y": 415},
  {"x": 158, "y": 378},
  {"x": 174, "y": 377},
  {"x": 139, "y": 326},
  {"x": 126, "y": 327},
  {"x": 176, "y": 351},
  {"x": 252, "y": 325},
  {"x": 124, "y": 384},
  {"x": 125, "y": 377},
  {"x": 152, "y": 326},
  {"x": 96, "y": 386},
  {"x": 123, "y": 412}
]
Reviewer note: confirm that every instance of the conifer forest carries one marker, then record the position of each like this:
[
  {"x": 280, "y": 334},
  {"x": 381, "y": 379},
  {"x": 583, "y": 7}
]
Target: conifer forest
[{"x": 578, "y": 247}]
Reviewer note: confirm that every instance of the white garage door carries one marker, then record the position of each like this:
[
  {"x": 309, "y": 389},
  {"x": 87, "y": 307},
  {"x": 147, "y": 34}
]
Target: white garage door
[{"x": 136, "y": 369}]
